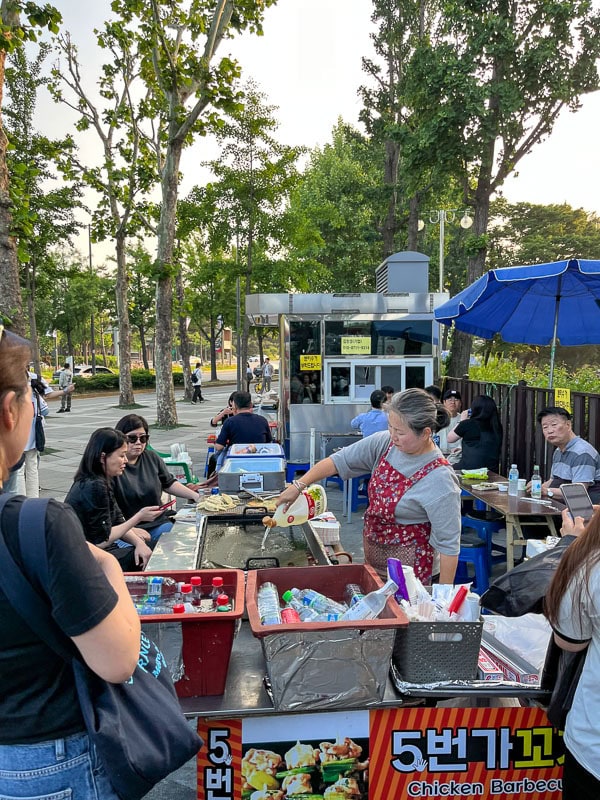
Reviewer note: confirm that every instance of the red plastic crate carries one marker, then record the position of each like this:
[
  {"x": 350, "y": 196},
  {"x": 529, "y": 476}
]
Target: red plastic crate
[{"x": 207, "y": 637}]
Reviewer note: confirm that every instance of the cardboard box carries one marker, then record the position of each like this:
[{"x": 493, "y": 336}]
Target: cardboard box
[
  {"x": 487, "y": 668},
  {"x": 323, "y": 665},
  {"x": 207, "y": 638},
  {"x": 513, "y": 667}
]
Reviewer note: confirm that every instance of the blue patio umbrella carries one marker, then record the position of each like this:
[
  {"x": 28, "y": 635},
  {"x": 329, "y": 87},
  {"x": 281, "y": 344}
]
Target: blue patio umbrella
[{"x": 538, "y": 305}]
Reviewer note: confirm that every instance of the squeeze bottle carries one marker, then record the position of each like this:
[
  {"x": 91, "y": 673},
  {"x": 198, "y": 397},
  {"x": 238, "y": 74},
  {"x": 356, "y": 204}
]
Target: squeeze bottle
[{"x": 310, "y": 503}]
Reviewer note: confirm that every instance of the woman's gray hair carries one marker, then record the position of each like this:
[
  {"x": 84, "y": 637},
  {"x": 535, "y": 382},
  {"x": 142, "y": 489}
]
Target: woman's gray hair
[{"x": 419, "y": 410}]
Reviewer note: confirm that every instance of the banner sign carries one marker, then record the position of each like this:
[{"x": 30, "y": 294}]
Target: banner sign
[
  {"x": 310, "y": 363},
  {"x": 385, "y": 753},
  {"x": 562, "y": 399}
]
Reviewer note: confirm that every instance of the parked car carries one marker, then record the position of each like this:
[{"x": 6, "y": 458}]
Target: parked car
[{"x": 85, "y": 371}]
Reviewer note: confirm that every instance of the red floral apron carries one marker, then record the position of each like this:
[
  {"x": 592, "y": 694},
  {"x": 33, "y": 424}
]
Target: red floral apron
[{"x": 384, "y": 537}]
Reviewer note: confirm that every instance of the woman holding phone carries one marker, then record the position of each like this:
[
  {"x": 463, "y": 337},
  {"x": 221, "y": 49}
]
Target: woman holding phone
[{"x": 145, "y": 478}]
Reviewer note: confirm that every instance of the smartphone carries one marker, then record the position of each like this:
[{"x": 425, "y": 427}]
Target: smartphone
[
  {"x": 170, "y": 504},
  {"x": 577, "y": 500}
]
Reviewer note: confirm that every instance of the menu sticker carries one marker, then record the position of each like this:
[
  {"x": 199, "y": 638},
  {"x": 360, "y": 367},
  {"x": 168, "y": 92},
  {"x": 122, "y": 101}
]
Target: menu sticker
[
  {"x": 310, "y": 363},
  {"x": 562, "y": 399}
]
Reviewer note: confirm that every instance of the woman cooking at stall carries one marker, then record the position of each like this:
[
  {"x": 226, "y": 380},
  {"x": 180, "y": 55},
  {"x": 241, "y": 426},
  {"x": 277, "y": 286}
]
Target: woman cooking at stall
[{"x": 414, "y": 496}]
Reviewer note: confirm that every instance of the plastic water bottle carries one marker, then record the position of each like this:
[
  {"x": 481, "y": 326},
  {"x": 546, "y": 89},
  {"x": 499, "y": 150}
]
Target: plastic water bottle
[
  {"x": 310, "y": 503},
  {"x": 143, "y": 609},
  {"x": 306, "y": 613},
  {"x": 150, "y": 585},
  {"x": 536, "y": 483},
  {"x": 372, "y": 604},
  {"x": 513, "y": 481},
  {"x": 267, "y": 601},
  {"x": 217, "y": 589},
  {"x": 223, "y": 603},
  {"x": 318, "y": 601}
]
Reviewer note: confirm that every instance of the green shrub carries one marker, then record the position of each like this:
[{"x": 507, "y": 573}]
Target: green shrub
[
  {"x": 96, "y": 383},
  {"x": 510, "y": 371}
]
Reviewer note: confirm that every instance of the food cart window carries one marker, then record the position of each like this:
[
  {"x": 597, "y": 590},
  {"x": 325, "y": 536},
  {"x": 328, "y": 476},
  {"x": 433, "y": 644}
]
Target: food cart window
[
  {"x": 305, "y": 362},
  {"x": 416, "y": 377},
  {"x": 408, "y": 337},
  {"x": 339, "y": 381},
  {"x": 349, "y": 337}
]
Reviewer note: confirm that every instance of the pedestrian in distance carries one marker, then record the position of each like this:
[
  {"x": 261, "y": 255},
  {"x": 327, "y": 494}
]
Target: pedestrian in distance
[
  {"x": 197, "y": 383},
  {"x": 249, "y": 376},
  {"x": 267, "y": 374},
  {"x": 45, "y": 750},
  {"x": 65, "y": 379}
]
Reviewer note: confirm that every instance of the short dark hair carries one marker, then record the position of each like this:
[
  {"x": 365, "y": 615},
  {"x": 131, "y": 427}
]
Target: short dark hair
[
  {"x": 131, "y": 422},
  {"x": 241, "y": 399},
  {"x": 549, "y": 411},
  {"x": 452, "y": 393},
  {"x": 66, "y": 365},
  {"x": 387, "y": 389},
  {"x": 102, "y": 440},
  {"x": 434, "y": 391},
  {"x": 377, "y": 397}
]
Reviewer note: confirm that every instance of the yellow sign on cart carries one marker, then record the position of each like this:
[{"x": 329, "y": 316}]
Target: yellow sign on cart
[
  {"x": 356, "y": 345},
  {"x": 310, "y": 363}
]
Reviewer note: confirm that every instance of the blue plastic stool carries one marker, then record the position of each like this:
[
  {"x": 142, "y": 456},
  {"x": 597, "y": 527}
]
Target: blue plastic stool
[
  {"x": 485, "y": 529},
  {"x": 360, "y": 496},
  {"x": 473, "y": 550},
  {"x": 292, "y": 470},
  {"x": 337, "y": 480}
]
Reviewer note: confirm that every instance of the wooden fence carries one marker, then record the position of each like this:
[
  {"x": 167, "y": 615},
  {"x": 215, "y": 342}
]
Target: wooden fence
[{"x": 523, "y": 443}]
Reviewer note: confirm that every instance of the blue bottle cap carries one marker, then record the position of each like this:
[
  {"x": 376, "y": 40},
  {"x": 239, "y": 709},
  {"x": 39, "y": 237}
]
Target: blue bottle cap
[{"x": 214, "y": 491}]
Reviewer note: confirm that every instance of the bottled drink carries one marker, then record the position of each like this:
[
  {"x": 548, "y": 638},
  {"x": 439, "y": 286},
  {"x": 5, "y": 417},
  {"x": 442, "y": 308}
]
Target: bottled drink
[
  {"x": 267, "y": 601},
  {"x": 306, "y": 613},
  {"x": 143, "y": 609},
  {"x": 289, "y": 615},
  {"x": 187, "y": 598},
  {"x": 318, "y": 601},
  {"x": 217, "y": 589},
  {"x": 372, "y": 604},
  {"x": 352, "y": 594},
  {"x": 150, "y": 585},
  {"x": 536, "y": 483},
  {"x": 513, "y": 480},
  {"x": 196, "y": 582},
  {"x": 178, "y": 608},
  {"x": 310, "y": 503},
  {"x": 223, "y": 603}
]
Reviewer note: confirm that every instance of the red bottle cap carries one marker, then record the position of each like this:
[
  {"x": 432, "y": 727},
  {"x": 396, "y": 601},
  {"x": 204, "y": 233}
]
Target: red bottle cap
[
  {"x": 196, "y": 580},
  {"x": 217, "y": 581},
  {"x": 186, "y": 588},
  {"x": 222, "y": 600},
  {"x": 179, "y": 608}
]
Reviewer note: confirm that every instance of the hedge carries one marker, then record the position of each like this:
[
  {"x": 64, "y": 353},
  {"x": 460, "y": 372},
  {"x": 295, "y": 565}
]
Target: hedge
[{"x": 140, "y": 378}]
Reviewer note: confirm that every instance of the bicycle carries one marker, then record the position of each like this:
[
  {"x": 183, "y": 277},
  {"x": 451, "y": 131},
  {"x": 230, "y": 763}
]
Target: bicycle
[{"x": 258, "y": 386}]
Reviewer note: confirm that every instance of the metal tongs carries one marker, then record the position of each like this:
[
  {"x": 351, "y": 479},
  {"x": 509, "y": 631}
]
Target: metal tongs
[{"x": 263, "y": 496}]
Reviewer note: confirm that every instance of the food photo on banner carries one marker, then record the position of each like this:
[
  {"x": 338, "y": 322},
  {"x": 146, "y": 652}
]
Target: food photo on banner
[{"x": 508, "y": 752}]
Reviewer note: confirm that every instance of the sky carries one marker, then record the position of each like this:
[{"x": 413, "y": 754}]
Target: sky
[{"x": 308, "y": 64}]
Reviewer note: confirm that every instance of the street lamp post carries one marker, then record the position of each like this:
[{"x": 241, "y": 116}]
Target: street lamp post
[{"x": 441, "y": 216}]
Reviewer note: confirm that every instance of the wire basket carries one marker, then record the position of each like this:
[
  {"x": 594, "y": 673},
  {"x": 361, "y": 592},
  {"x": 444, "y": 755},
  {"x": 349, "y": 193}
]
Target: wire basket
[{"x": 425, "y": 652}]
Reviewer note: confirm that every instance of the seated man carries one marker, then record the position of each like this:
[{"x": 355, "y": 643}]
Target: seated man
[
  {"x": 243, "y": 426},
  {"x": 373, "y": 420},
  {"x": 574, "y": 460}
]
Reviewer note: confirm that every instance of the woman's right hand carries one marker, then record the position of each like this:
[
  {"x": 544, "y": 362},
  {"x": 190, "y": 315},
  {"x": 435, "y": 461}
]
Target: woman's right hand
[
  {"x": 148, "y": 514},
  {"x": 287, "y": 496}
]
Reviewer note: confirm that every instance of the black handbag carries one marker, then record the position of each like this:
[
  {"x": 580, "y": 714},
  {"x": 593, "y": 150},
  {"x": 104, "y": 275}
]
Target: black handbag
[
  {"x": 137, "y": 726},
  {"x": 40, "y": 433},
  {"x": 561, "y": 674}
]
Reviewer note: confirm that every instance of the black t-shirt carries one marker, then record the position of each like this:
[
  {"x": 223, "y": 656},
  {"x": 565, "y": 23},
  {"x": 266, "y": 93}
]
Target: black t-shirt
[
  {"x": 93, "y": 501},
  {"x": 141, "y": 485},
  {"x": 38, "y": 700},
  {"x": 244, "y": 428},
  {"x": 480, "y": 446}
]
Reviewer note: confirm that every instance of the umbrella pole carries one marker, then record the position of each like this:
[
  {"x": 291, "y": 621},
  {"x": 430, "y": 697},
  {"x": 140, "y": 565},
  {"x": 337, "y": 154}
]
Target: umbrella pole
[{"x": 554, "y": 333}]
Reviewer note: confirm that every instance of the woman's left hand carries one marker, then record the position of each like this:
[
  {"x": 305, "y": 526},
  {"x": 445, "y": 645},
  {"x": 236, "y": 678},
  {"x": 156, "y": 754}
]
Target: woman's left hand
[
  {"x": 148, "y": 513},
  {"x": 287, "y": 496},
  {"x": 142, "y": 553}
]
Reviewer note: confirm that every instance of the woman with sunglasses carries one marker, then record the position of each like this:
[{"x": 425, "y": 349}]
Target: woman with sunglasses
[
  {"x": 91, "y": 497},
  {"x": 145, "y": 478},
  {"x": 44, "y": 748}
]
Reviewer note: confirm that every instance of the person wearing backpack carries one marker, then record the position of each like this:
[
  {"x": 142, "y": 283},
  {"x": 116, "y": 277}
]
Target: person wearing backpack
[{"x": 197, "y": 382}]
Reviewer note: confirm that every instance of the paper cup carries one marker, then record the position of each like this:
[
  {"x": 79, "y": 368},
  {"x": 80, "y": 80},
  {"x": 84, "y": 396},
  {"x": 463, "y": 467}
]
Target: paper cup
[{"x": 522, "y": 484}]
